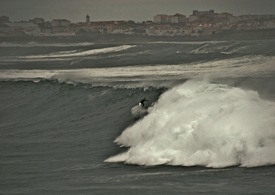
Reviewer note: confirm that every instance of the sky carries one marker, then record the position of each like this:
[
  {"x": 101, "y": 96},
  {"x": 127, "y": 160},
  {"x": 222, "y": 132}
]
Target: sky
[{"x": 137, "y": 10}]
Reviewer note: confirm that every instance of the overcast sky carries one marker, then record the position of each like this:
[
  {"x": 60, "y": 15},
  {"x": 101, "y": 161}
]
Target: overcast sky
[{"x": 137, "y": 10}]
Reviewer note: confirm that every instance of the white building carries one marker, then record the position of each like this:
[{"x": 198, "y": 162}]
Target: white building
[
  {"x": 161, "y": 18},
  {"x": 193, "y": 18},
  {"x": 123, "y": 30},
  {"x": 178, "y": 18},
  {"x": 164, "y": 31}
]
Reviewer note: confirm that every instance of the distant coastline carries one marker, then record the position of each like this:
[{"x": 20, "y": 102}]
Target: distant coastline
[{"x": 120, "y": 38}]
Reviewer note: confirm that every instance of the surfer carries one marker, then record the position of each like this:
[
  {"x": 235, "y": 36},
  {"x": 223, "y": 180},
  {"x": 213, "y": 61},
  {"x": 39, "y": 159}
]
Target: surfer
[{"x": 141, "y": 103}]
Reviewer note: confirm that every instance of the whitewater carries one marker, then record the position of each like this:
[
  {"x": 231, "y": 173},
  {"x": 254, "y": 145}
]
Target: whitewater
[
  {"x": 70, "y": 121},
  {"x": 199, "y": 123}
]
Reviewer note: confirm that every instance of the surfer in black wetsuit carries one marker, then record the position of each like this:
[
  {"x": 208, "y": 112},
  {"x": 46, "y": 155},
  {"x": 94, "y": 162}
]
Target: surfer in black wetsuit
[{"x": 141, "y": 103}]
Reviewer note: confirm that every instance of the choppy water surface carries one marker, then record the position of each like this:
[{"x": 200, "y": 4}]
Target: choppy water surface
[{"x": 70, "y": 123}]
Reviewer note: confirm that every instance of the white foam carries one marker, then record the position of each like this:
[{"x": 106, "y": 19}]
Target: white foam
[{"x": 199, "y": 123}]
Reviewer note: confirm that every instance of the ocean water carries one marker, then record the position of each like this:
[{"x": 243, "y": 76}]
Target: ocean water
[{"x": 70, "y": 121}]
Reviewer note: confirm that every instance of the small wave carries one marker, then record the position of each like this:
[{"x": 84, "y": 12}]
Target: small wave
[
  {"x": 213, "y": 47},
  {"x": 203, "y": 124},
  {"x": 94, "y": 77},
  {"x": 37, "y": 44},
  {"x": 226, "y": 53},
  {"x": 82, "y": 53}
]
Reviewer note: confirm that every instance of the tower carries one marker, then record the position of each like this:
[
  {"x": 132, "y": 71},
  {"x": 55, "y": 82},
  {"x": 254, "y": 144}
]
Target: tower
[{"x": 87, "y": 18}]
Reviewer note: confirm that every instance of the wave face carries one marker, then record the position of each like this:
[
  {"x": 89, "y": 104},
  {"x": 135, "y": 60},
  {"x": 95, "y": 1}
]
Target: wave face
[
  {"x": 247, "y": 66},
  {"x": 205, "y": 124}
]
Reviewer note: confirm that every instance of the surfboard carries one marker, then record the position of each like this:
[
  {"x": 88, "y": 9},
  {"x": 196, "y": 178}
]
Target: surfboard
[{"x": 140, "y": 105}]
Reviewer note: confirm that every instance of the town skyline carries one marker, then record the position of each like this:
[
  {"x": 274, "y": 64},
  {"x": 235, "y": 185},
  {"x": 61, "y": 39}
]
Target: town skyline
[
  {"x": 138, "y": 11},
  {"x": 200, "y": 23}
]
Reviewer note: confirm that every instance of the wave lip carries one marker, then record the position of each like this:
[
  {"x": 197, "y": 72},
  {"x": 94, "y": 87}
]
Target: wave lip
[{"x": 203, "y": 124}]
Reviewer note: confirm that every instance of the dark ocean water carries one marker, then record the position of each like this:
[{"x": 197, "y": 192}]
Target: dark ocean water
[{"x": 70, "y": 124}]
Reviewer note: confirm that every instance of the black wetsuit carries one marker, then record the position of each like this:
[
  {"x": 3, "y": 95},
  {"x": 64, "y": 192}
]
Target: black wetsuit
[{"x": 142, "y": 102}]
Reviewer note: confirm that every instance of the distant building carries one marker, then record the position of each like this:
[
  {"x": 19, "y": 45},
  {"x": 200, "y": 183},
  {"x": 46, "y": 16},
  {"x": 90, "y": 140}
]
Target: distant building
[
  {"x": 38, "y": 21},
  {"x": 130, "y": 22},
  {"x": 210, "y": 16},
  {"x": 193, "y": 17},
  {"x": 163, "y": 18},
  {"x": 24, "y": 27},
  {"x": 203, "y": 12},
  {"x": 270, "y": 24},
  {"x": 4, "y": 19},
  {"x": 123, "y": 30},
  {"x": 48, "y": 27},
  {"x": 148, "y": 22},
  {"x": 178, "y": 18},
  {"x": 200, "y": 14},
  {"x": 87, "y": 18},
  {"x": 226, "y": 15}
]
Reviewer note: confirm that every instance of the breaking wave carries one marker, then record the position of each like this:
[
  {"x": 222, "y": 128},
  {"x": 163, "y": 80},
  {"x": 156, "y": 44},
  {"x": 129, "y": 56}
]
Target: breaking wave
[{"x": 203, "y": 124}]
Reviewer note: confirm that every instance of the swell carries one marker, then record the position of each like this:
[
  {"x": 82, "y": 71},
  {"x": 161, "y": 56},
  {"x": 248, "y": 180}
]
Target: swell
[
  {"x": 251, "y": 65},
  {"x": 75, "y": 53},
  {"x": 175, "y": 55},
  {"x": 37, "y": 44}
]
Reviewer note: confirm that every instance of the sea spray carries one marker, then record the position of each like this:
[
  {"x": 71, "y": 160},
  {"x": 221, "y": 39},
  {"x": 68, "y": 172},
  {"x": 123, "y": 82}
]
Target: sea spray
[
  {"x": 138, "y": 112},
  {"x": 205, "y": 124}
]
